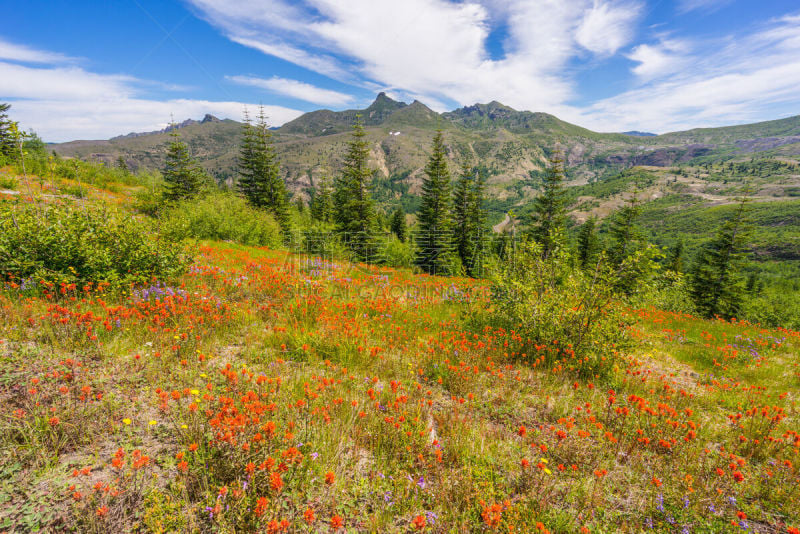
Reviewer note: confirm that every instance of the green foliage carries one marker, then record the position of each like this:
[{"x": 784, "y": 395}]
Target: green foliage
[
  {"x": 322, "y": 209},
  {"x": 434, "y": 234},
  {"x": 354, "y": 212},
  {"x": 716, "y": 280},
  {"x": 772, "y": 307},
  {"x": 548, "y": 219},
  {"x": 398, "y": 224},
  {"x": 56, "y": 243},
  {"x": 222, "y": 216},
  {"x": 6, "y": 137},
  {"x": 674, "y": 260},
  {"x": 99, "y": 174},
  {"x": 122, "y": 165},
  {"x": 774, "y": 226},
  {"x": 560, "y": 309},
  {"x": 628, "y": 240},
  {"x": 182, "y": 177},
  {"x": 8, "y": 182},
  {"x": 667, "y": 290},
  {"x": 396, "y": 253},
  {"x": 469, "y": 220},
  {"x": 588, "y": 243},
  {"x": 259, "y": 172}
]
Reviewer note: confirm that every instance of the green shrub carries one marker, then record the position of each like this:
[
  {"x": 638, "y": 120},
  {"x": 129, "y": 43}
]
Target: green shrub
[
  {"x": 395, "y": 253},
  {"x": 559, "y": 314},
  {"x": 221, "y": 216},
  {"x": 319, "y": 240},
  {"x": 669, "y": 291},
  {"x": 8, "y": 182},
  {"x": 773, "y": 308},
  {"x": 61, "y": 243}
]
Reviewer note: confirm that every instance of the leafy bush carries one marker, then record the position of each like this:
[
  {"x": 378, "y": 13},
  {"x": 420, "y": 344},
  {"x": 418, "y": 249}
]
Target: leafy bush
[
  {"x": 561, "y": 315},
  {"x": 669, "y": 292},
  {"x": 8, "y": 182},
  {"x": 396, "y": 253},
  {"x": 61, "y": 243},
  {"x": 773, "y": 308},
  {"x": 223, "y": 216}
]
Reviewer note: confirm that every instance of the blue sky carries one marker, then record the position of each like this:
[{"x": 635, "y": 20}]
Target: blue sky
[{"x": 78, "y": 70}]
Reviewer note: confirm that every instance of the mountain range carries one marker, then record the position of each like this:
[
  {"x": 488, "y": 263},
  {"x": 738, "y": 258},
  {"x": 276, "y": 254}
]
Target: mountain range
[{"x": 512, "y": 147}]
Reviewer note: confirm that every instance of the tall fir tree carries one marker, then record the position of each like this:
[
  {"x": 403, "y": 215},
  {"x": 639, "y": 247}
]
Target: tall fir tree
[
  {"x": 434, "y": 235},
  {"x": 123, "y": 165},
  {"x": 479, "y": 217},
  {"x": 322, "y": 201},
  {"x": 276, "y": 196},
  {"x": 398, "y": 224},
  {"x": 550, "y": 209},
  {"x": 247, "y": 164},
  {"x": 674, "y": 260},
  {"x": 469, "y": 219},
  {"x": 354, "y": 211},
  {"x": 716, "y": 283},
  {"x": 259, "y": 173},
  {"x": 462, "y": 212},
  {"x": 183, "y": 179},
  {"x": 588, "y": 243},
  {"x": 6, "y": 135},
  {"x": 624, "y": 233}
]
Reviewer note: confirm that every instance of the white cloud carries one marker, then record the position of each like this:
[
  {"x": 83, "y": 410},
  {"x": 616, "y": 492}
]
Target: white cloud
[
  {"x": 25, "y": 54},
  {"x": 295, "y": 89},
  {"x": 60, "y": 120},
  {"x": 737, "y": 80},
  {"x": 66, "y": 103},
  {"x": 434, "y": 48},
  {"x": 606, "y": 27},
  {"x": 667, "y": 57},
  {"x": 685, "y": 6},
  {"x": 19, "y": 81}
]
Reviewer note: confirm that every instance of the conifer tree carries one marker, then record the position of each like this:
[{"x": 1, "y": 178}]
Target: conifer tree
[
  {"x": 322, "y": 201},
  {"x": 248, "y": 165},
  {"x": 123, "y": 165},
  {"x": 398, "y": 224},
  {"x": 434, "y": 237},
  {"x": 478, "y": 216},
  {"x": 674, "y": 259},
  {"x": 462, "y": 212},
  {"x": 716, "y": 284},
  {"x": 259, "y": 173},
  {"x": 469, "y": 219},
  {"x": 626, "y": 237},
  {"x": 354, "y": 210},
  {"x": 182, "y": 177},
  {"x": 588, "y": 243},
  {"x": 6, "y": 135},
  {"x": 549, "y": 208}
]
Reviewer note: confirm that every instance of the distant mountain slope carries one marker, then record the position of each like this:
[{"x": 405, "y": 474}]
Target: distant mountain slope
[{"x": 510, "y": 146}]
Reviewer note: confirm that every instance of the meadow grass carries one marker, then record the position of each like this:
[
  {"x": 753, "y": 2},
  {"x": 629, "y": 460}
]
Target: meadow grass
[{"x": 269, "y": 392}]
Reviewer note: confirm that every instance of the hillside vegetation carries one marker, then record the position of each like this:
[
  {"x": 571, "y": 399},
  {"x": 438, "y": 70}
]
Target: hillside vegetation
[
  {"x": 177, "y": 356},
  {"x": 267, "y": 391}
]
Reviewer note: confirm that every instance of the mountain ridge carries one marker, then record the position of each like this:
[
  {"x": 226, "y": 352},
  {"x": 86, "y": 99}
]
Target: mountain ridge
[{"x": 511, "y": 147}]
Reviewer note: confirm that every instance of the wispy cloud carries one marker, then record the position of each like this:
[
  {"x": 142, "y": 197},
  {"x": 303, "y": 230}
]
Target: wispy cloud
[
  {"x": 24, "y": 54},
  {"x": 661, "y": 59},
  {"x": 64, "y": 102},
  {"x": 685, "y": 6},
  {"x": 734, "y": 80},
  {"x": 295, "y": 89},
  {"x": 434, "y": 48}
]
